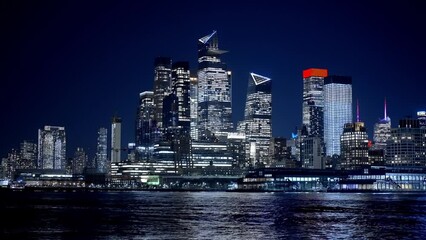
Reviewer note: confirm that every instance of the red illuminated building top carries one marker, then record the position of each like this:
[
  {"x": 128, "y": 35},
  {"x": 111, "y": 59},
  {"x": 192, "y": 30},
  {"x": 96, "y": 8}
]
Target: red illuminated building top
[{"x": 315, "y": 72}]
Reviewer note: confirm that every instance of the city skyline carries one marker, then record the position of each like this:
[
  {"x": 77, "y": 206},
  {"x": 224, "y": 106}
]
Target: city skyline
[{"x": 64, "y": 70}]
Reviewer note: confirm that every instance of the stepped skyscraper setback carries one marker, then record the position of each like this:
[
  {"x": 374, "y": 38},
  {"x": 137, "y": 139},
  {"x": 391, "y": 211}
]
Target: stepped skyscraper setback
[
  {"x": 257, "y": 123},
  {"x": 214, "y": 90}
]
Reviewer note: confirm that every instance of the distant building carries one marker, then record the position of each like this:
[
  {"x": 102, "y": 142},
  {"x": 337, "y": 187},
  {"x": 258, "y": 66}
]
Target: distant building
[
  {"x": 337, "y": 110},
  {"x": 214, "y": 90},
  {"x": 162, "y": 85},
  {"x": 406, "y": 146},
  {"x": 51, "y": 148},
  {"x": 382, "y": 131},
  {"x": 257, "y": 124},
  {"x": 354, "y": 146},
  {"x": 194, "y": 106},
  {"x": 281, "y": 153},
  {"x": 376, "y": 157},
  {"x": 237, "y": 146},
  {"x": 102, "y": 163},
  {"x": 421, "y": 116},
  {"x": 79, "y": 161},
  {"x": 116, "y": 140},
  {"x": 9, "y": 164},
  {"x": 311, "y": 153},
  {"x": 28, "y": 156}
]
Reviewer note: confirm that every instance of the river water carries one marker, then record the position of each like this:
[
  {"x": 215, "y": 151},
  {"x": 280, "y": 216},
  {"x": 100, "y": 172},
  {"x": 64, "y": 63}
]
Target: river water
[{"x": 212, "y": 215}]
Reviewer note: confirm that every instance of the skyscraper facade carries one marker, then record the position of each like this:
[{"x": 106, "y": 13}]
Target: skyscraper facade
[
  {"x": 146, "y": 126},
  {"x": 28, "y": 155},
  {"x": 79, "y": 161},
  {"x": 382, "y": 131},
  {"x": 162, "y": 85},
  {"x": 194, "y": 106},
  {"x": 313, "y": 101},
  {"x": 51, "y": 148},
  {"x": 337, "y": 110},
  {"x": 181, "y": 88},
  {"x": 116, "y": 140},
  {"x": 407, "y": 145},
  {"x": 354, "y": 146},
  {"x": 102, "y": 163},
  {"x": 257, "y": 124},
  {"x": 214, "y": 90}
]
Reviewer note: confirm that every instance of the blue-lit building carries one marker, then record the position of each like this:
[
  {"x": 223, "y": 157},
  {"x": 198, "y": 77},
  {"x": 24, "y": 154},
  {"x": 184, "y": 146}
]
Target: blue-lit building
[
  {"x": 214, "y": 90},
  {"x": 337, "y": 110}
]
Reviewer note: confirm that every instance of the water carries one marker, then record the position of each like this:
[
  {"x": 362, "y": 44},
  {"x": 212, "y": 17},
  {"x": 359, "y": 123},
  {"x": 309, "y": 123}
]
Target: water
[{"x": 212, "y": 215}]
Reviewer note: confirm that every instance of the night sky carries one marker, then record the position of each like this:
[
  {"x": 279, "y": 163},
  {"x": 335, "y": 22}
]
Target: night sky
[{"x": 76, "y": 64}]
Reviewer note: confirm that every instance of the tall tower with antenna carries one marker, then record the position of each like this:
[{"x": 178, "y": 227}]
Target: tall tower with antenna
[{"x": 382, "y": 130}]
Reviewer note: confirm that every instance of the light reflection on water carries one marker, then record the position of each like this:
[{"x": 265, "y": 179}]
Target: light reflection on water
[{"x": 213, "y": 215}]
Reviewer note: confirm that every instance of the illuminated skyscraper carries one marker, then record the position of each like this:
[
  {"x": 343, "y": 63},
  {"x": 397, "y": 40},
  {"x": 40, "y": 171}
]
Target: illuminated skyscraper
[
  {"x": 28, "y": 156},
  {"x": 337, "y": 110},
  {"x": 214, "y": 90},
  {"x": 162, "y": 85},
  {"x": 116, "y": 140},
  {"x": 146, "y": 127},
  {"x": 354, "y": 146},
  {"x": 51, "y": 148},
  {"x": 257, "y": 123},
  {"x": 102, "y": 163},
  {"x": 181, "y": 88},
  {"x": 406, "y": 146},
  {"x": 79, "y": 161},
  {"x": 313, "y": 101},
  {"x": 194, "y": 106},
  {"x": 382, "y": 131}
]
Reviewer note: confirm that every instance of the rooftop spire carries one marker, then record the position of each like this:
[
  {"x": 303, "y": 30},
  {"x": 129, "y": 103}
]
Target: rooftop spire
[
  {"x": 385, "y": 110},
  {"x": 357, "y": 110}
]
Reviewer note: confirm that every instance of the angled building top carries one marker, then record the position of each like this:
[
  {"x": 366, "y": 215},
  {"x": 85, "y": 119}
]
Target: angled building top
[
  {"x": 205, "y": 39},
  {"x": 259, "y": 79}
]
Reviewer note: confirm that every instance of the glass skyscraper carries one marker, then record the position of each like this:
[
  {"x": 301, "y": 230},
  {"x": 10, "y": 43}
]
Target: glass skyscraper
[
  {"x": 214, "y": 90},
  {"x": 116, "y": 140},
  {"x": 337, "y": 110},
  {"x": 194, "y": 106},
  {"x": 146, "y": 127},
  {"x": 313, "y": 101},
  {"x": 257, "y": 124},
  {"x": 51, "y": 148},
  {"x": 181, "y": 88},
  {"x": 162, "y": 85},
  {"x": 102, "y": 164}
]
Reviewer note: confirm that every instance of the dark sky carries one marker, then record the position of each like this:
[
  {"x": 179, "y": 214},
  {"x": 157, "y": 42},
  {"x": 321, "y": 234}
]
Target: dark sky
[{"x": 76, "y": 63}]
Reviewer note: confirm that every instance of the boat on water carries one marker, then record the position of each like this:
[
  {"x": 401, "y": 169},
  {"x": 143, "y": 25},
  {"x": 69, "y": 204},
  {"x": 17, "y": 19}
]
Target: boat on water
[{"x": 17, "y": 186}]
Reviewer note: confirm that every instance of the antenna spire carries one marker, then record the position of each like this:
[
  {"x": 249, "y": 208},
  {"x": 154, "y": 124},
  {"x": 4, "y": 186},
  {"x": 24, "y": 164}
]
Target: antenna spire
[
  {"x": 385, "y": 110},
  {"x": 357, "y": 110}
]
